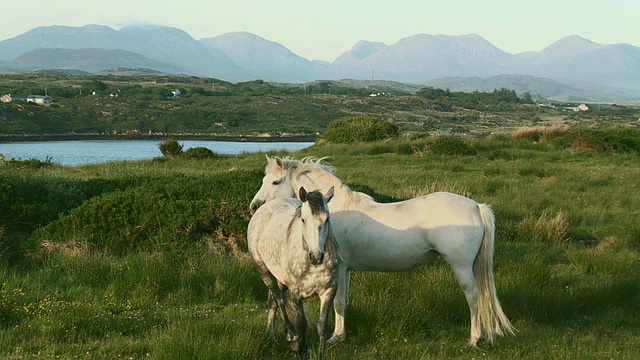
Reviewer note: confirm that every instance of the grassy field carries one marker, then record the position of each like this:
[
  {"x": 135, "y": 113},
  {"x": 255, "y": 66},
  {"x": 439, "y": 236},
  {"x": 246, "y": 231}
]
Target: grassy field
[{"x": 147, "y": 260}]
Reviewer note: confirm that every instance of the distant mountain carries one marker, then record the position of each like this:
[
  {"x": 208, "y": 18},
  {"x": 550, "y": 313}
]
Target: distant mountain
[
  {"x": 577, "y": 59},
  {"x": 350, "y": 62},
  {"x": 60, "y": 37},
  {"x": 89, "y": 60},
  {"x": 269, "y": 60},
  {"x": 361, "y": 50},
  {"x": 419, "y": 58},
  {"x": 580, "y": 66},
  {"x": 535, "y": 86},
  {"x": 159, "y": 43}
]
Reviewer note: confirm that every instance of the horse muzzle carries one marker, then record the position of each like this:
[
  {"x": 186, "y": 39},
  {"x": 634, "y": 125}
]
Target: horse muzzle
[
  {"x": 317, "y": 258},
  {"x": 255, "y": 204}
]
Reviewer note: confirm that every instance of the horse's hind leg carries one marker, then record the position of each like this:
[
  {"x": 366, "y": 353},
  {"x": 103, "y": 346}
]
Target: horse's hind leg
[
  {"x": 276, "y": 291},
  {"x": 273, "y": 306},
  {"x": 466, "y": 279}
]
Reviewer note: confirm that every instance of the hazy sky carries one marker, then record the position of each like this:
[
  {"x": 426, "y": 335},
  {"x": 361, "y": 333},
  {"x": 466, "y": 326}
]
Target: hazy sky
[{"x": 324, "y": 29}]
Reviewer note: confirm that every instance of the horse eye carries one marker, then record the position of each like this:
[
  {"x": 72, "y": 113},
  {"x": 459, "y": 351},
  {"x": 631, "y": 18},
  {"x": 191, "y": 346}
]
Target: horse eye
[
  {"x": 277, "y": 182},
  {"x": 303, "y": 221}
]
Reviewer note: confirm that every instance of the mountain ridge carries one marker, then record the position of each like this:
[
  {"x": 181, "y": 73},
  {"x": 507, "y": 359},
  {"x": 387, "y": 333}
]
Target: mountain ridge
[{"x": 243, "y": 56}]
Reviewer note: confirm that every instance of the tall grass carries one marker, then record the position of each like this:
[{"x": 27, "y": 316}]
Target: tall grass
[{"x": 566, "y": 257}]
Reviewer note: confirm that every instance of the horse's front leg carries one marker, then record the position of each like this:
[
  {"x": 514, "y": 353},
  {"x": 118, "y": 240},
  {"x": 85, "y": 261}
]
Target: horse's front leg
[
  {"x": 340, "y": 305},
  {"x": 326, "y": 299}
]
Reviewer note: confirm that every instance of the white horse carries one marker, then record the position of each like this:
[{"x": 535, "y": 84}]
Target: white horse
[
  {"x": 293, "y": 246},
  {"x": 401, "y": 236}
]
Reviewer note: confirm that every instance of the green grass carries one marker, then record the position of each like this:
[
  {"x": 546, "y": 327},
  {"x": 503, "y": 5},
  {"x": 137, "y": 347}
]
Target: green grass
[{"x": 567, "y": 258}]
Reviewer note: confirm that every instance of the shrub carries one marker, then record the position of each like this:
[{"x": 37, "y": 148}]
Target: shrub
[
  {"x": 29, "y": 200},
  {"x": 158, "y": 213},
  {"x": 198, "y": 153},
  {"x": 451, "y": 146},
  {"x": 31, "y": 163},
  {"x": 170, "y": 148},
  {"x": 359, "y": 128},
  {"x": 621, "y": 140}
]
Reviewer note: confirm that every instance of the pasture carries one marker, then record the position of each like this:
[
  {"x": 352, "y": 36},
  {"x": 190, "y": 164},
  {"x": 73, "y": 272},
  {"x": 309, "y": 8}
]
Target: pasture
[{"x": 148, "y": 260}]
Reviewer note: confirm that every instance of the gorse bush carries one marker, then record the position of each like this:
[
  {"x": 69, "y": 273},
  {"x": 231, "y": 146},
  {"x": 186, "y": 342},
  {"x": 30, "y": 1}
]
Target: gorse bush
[
  {"x": 29, "y": 200},
  {"x": 359, "y": 129},
  {"x": 170, "y": 148},
  {"x": 151, "y": 212},
  {"x": 451, "y": 146},
  {"x": 623, "y": 140},
  {"x": 198, "y": 153},
  {"x": 133, "y": 219}
]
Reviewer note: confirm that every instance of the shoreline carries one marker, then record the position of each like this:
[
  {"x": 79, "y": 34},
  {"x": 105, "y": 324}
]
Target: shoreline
[{"x": 203, "y": 137}]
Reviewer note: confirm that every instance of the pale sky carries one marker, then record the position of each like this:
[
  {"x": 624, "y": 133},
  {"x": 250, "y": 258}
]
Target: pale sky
[{"x": 323, "y": 30}]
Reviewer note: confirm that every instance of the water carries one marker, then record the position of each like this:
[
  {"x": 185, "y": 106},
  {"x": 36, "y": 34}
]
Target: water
[{"x": 81, "y": 152}]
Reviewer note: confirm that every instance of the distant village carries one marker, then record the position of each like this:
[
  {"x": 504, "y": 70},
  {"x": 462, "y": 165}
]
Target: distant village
[
  {"x": 45, "y": 99},
  {"x": 581, "y": 107},
  {"x": 38, "y": 99}
]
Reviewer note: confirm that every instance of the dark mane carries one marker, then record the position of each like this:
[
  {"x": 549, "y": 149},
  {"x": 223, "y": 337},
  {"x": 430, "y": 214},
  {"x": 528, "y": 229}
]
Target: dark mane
[
  {"x": 316, "y": 202},
  {"x": 295, "y": 217}
]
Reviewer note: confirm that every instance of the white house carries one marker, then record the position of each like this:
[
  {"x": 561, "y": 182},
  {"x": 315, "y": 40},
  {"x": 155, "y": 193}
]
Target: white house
[
  {"x": 176, "y": 93},
  {"x": 10, "y": 98},
  {"x": 39, "y": 99}
]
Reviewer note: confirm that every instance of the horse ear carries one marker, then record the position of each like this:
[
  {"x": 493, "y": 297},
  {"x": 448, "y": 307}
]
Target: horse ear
[
  {"x": 302, "y": 194},
  {"x": 329, "y": 195},
  {"x": 280, "y": 163},
  {"x": 268, "y": 158}
]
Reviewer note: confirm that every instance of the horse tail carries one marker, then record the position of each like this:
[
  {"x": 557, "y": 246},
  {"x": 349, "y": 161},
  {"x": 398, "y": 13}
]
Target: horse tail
[
  {"x": 489, "y": 314},
  {"x": 294, "y": 309}
]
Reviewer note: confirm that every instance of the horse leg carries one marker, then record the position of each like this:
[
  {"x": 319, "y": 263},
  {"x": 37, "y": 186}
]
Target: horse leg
[
  {"x": 466, "y": 279},
  {"x": 295, "y": 313},
  {"x": 340, "y": 305},
  {"x": 326, "y": 299},
  {"x": 273, "y": 306},
  {"x": 276, "y": 291}
]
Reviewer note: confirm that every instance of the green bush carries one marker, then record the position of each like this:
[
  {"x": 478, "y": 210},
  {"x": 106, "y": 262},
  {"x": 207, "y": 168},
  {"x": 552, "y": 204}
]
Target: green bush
[
  {"x": 451, "y": 146},
  {"x": 133, "y": 219},
  {"x": 358, "y": 129},
  {"x": 29, "y": 200},
  {"x": 31, "y": 163},
  {"x": 198, "y": 153},
  {"x": 158, "y": 213},
  {"x": 170, "y": 148},
  {"x": 621, "y": 140}
]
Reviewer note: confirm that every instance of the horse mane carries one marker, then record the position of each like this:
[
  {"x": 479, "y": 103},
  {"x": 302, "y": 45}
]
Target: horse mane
[
  {"x": 310, "y": 164},
  {"x": 295, "y": 217}
]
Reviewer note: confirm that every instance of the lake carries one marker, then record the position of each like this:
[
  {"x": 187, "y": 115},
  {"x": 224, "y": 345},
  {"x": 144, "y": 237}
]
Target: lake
[{"x": 81, "y": 152}]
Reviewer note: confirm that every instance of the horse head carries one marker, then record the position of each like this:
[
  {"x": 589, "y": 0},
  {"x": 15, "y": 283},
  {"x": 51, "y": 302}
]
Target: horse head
[
  {"x": 314, "y": 215},
  {"x": 275, "y": 184}
]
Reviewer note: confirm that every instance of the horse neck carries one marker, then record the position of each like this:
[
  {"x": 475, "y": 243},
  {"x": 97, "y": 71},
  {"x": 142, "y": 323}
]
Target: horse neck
[
  {"x": 318, "y": 180},
  {"x": 294, "y": 238}
]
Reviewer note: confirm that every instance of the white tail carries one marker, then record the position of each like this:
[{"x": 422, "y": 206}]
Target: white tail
[{"x": 489, "y": 313}]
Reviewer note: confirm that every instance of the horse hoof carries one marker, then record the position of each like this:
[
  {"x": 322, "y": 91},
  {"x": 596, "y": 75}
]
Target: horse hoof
[{"x": 335, "y": 339}]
